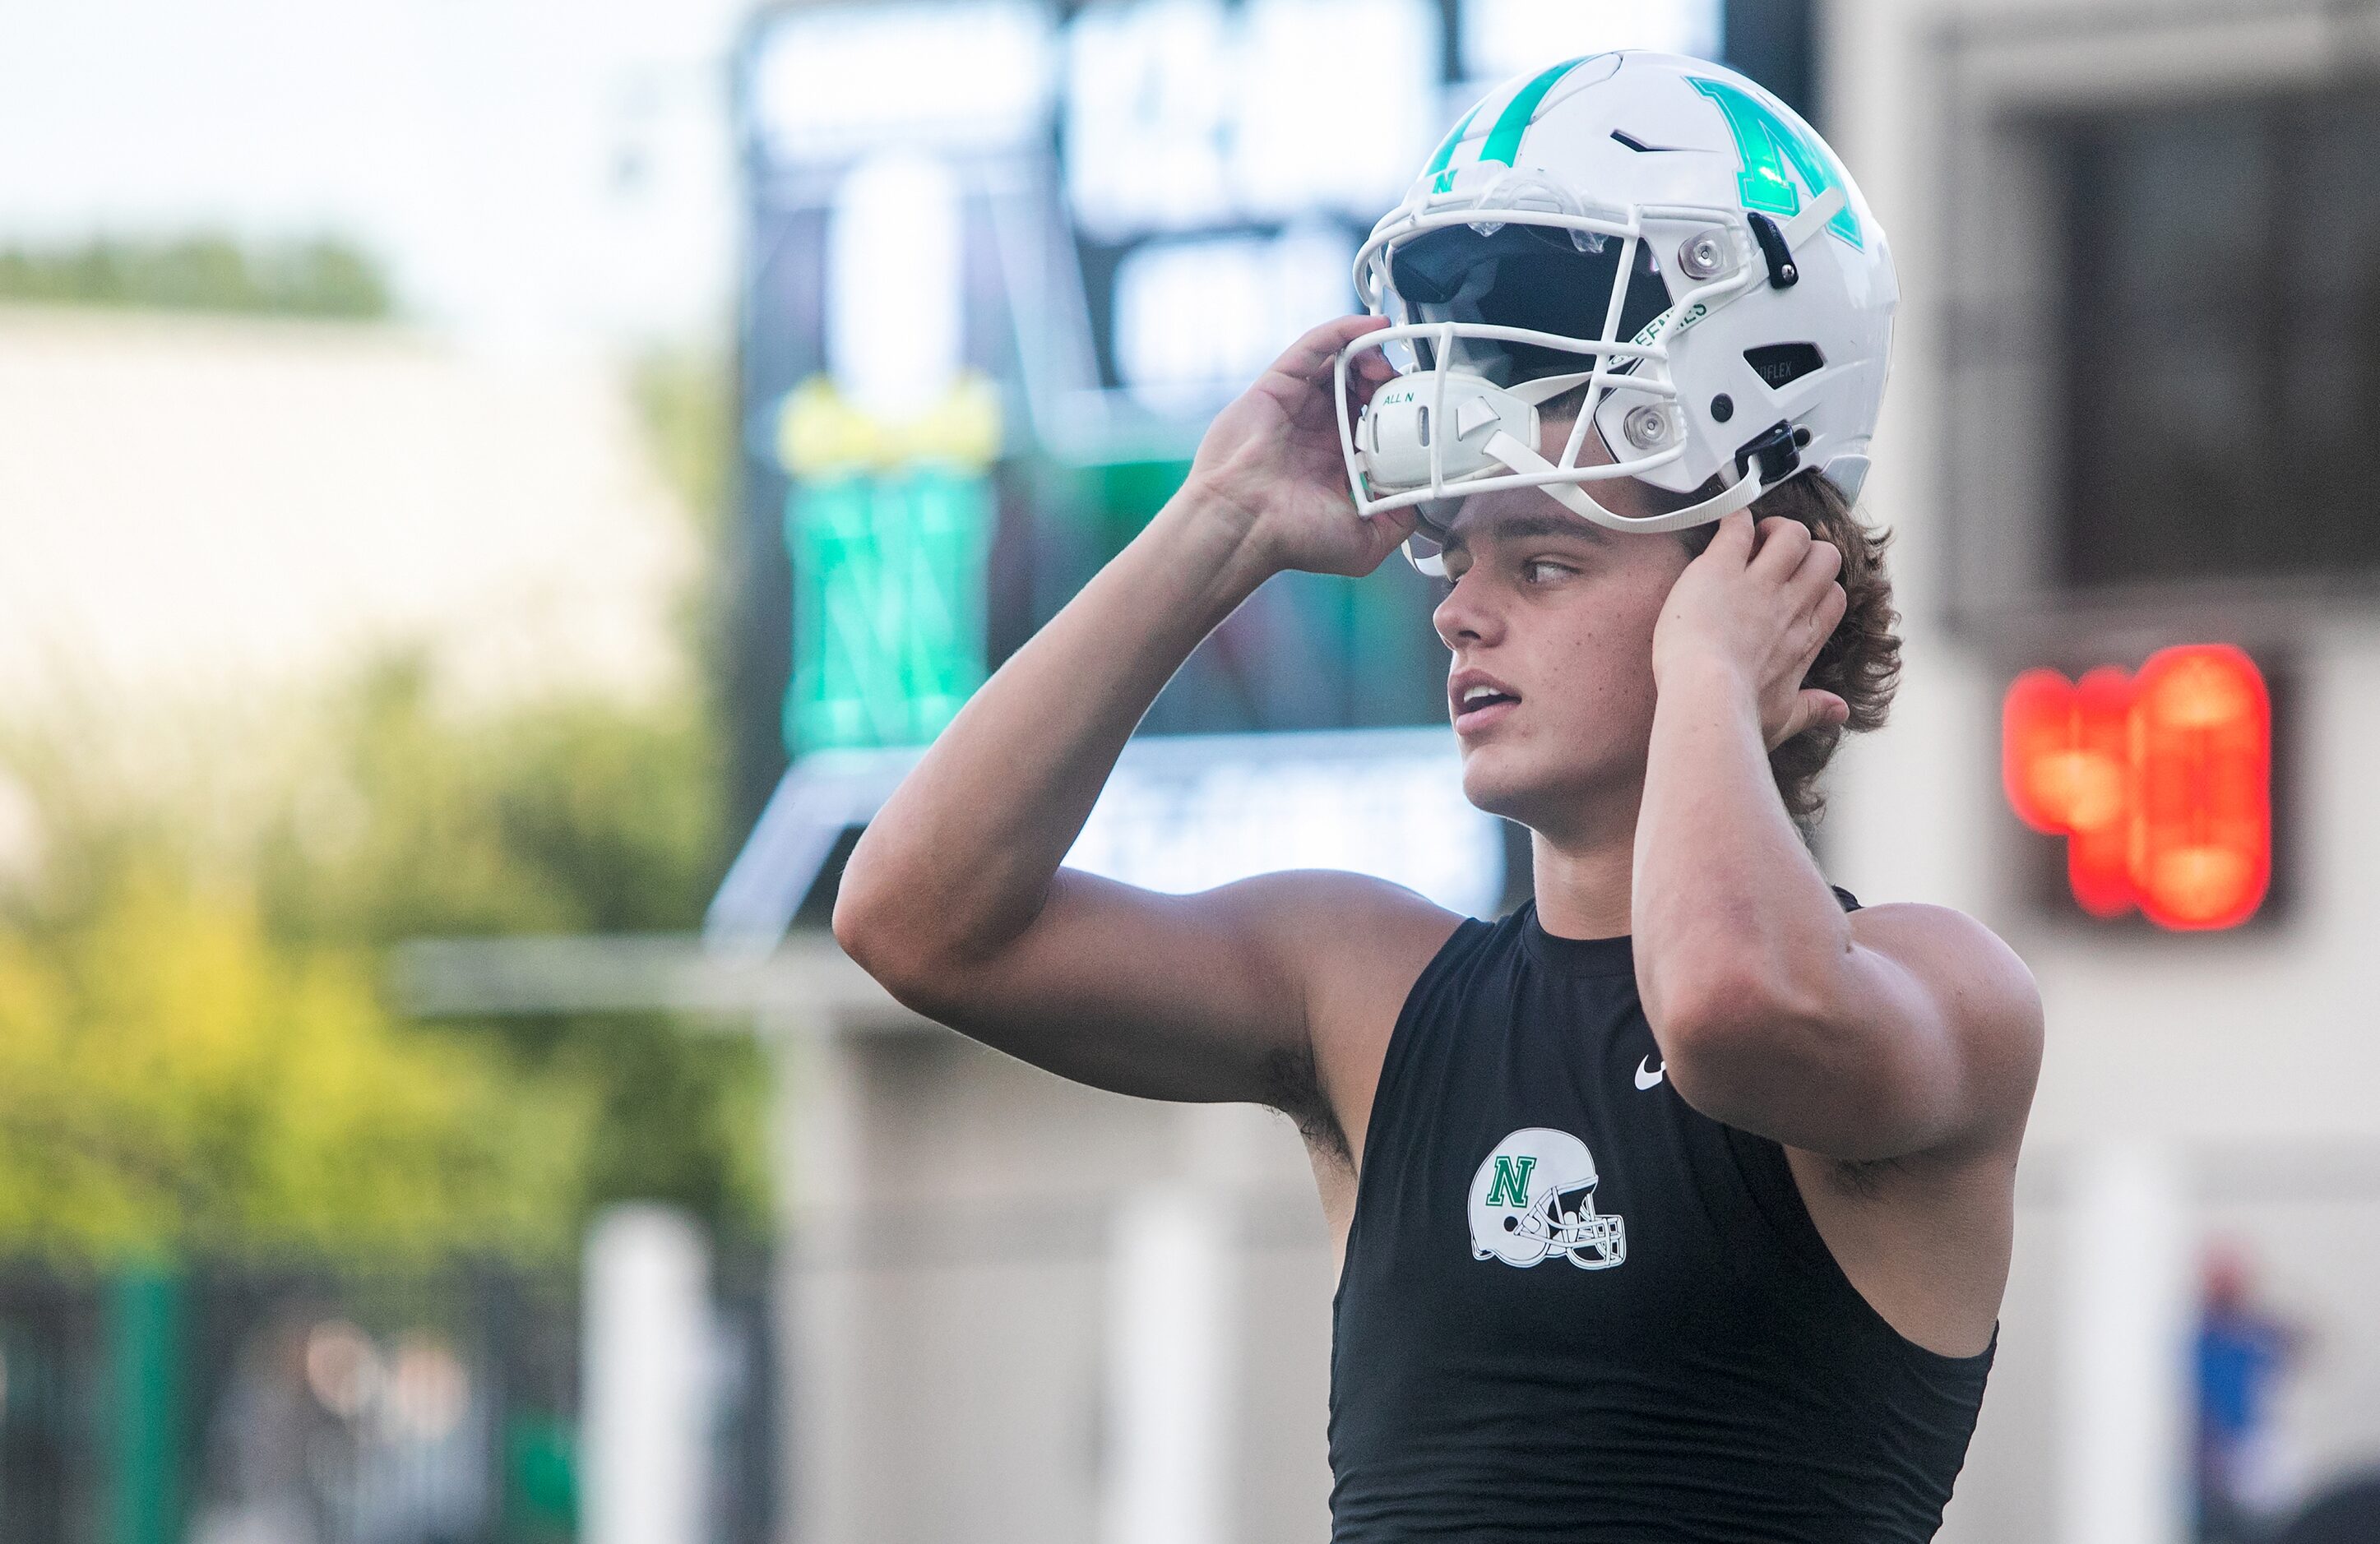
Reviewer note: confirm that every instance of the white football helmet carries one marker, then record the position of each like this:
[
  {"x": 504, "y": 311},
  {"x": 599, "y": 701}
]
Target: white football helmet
[
  {"x": 1532, "y": 1200},
  {"x": 1749, "y": 339}
]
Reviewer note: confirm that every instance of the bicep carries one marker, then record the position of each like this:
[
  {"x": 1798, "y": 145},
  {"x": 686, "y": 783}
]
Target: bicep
[
  {"x": 1974, "y": 1067},
  {"x": 1927, "y": 1039},
  {"x": 1202, "y": 997}
]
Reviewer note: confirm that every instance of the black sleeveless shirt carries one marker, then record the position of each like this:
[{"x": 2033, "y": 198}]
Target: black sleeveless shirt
[{"x": 1575, "y": 1309}]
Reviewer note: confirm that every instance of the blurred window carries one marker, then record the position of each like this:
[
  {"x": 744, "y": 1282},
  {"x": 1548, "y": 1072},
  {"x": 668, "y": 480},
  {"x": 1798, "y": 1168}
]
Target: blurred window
[
  {"x": 1147, "y": 112},
  {"x": 1186, "y": 114},
  {"x": 826, "y": 82},
  {"x": 2221, "y": 337},
  {"x": 1196, "y": 321},
  {"x": 1503, "y": 38}
]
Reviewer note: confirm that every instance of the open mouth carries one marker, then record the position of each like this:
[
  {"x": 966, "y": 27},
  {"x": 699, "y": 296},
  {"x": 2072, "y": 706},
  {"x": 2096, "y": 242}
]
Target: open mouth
[{"x": 1478, "y": 704}]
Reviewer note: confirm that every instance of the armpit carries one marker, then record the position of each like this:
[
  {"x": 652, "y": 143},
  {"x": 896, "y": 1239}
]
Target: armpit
[
  {"x": 1864, "y": 1178},
  {"x": 1296, "y": 1091}
]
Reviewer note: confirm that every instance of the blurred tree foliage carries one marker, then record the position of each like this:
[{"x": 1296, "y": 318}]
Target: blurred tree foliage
[
  {"x": 683, "y": 397},
  {"x": 196, "y": 1050},
  {"x": 569, "y": 817},
  {"x": 325, "y": 278},
  {"x": 176, "y": 1073}
]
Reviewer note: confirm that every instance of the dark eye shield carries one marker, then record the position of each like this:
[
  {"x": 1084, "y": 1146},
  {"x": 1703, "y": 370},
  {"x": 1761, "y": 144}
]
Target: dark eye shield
[{"x": 1542, "y": 278}]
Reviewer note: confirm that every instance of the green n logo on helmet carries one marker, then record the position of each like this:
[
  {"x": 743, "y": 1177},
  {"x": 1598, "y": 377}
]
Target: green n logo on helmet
[
  {"x": 1766, "y": 143},
  {"x": 1438, "y": 168},
  {"x": 1511, "y": 1186}
]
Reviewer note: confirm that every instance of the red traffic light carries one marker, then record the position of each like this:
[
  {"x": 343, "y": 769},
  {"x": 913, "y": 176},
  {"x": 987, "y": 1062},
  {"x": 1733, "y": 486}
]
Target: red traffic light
[{"x": 2160, "y": 782}]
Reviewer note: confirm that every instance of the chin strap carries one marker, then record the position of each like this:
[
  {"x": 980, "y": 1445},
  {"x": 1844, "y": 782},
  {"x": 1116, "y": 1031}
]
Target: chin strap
[
  {"x": 1764, "y": 460},
  {"x": 1575, "y": 498},
  {"x": 1814, "y": 215}
]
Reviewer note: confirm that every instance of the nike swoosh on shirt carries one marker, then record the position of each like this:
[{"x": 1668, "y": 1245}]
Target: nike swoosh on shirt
[{"x": 1648, "y": 1076}]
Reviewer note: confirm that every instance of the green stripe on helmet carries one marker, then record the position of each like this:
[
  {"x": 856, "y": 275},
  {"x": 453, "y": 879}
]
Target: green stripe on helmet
[
  {"x": 1437, "y": 166},
  {"x": 1766, "y": 142},
  {"x": 1504, "y": 140}
]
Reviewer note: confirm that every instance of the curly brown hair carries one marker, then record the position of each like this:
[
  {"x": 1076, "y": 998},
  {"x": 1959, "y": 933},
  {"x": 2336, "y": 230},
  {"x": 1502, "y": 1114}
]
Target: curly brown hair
[{"x": 1861, "y": 660}]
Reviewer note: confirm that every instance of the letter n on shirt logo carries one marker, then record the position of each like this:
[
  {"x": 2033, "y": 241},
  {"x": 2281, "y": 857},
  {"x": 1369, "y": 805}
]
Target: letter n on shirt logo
[{"x": 1511, "y": 1184}]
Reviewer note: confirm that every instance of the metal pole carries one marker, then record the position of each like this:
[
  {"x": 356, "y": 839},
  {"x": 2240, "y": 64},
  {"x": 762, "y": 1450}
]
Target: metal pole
[
  {"x": 144, "y": 1354},
  {"x": 2124, "y": 1350},
  {"x": 646, "y": 1420}
]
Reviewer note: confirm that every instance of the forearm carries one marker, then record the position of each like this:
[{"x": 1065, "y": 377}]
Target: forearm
[
  {"x": 1894, "y": 1032},
  {"x": 965, "y": 850},
  {"x": 1728, "y": 908}
]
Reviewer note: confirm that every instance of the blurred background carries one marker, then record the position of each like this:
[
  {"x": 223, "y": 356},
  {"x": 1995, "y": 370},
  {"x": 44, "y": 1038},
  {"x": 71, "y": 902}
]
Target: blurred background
[{"x": 492, "y": 496}]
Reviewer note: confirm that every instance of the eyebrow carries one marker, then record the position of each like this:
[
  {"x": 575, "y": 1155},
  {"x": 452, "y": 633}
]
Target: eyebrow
[{"x": 1524, "y": 528}]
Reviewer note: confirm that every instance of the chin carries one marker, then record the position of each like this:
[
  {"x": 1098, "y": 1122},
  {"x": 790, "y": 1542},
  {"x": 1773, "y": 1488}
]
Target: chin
[
  {"x": 1497, "y": 779},
  {"x": 1507, "y": 781}
]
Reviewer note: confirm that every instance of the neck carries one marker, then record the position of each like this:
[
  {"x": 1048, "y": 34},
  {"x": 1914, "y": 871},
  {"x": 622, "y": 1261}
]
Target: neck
[{"x": 1583, "y": 880}]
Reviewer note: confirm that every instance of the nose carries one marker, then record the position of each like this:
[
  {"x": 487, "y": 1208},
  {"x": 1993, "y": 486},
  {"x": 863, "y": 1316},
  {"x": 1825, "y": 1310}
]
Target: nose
[{"x": 1467, "y": 614}]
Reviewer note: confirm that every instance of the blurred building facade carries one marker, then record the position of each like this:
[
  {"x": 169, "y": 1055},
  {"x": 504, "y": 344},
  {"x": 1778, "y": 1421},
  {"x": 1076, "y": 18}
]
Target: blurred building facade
[
  {"x": 2135, "y": 358},
  {"x": 200, "y": 508},
  {"x": 1018, "y": 1308}
]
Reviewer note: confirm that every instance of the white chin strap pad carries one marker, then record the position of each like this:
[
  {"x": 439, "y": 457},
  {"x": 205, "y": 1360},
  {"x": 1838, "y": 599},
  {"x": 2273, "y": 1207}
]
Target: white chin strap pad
[{"x": 1575, "y": 498}]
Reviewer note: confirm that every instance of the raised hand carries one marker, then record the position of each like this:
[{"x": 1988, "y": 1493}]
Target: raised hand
[
  {"x": 1272, "y": 458},
  {"x": 1749, "y": 616}
]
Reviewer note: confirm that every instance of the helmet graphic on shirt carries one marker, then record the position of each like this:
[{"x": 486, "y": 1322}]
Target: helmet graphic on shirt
[{"x": 1532, "y": 1200}]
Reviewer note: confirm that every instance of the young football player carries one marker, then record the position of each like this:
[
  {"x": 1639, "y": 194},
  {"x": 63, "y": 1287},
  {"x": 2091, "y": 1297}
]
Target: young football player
[{"x": 1676, "y": 1205}]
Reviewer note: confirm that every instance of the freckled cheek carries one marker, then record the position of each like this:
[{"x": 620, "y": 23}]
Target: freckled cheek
[{"x": 1603, "y": 674}]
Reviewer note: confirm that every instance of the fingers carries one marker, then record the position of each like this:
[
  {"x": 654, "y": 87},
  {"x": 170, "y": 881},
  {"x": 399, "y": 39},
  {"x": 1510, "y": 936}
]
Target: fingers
[
  {"x": 1833, "y": 602},
  {"x": 1812, "y": 622},
  {"x": 1366, "y": 373},
  {"x": 1805, "y": 567},
  {"x": 1819, "y": 564},
  {"x": 1390, "y": 528},
  {"x": 1819, "y": 577},
  {"x": 1309, "y": 360},
  {"x": 1783, "y": 543},
  {"x": 1813, "y": 709},
  {"x": 1733, "y": 540}
]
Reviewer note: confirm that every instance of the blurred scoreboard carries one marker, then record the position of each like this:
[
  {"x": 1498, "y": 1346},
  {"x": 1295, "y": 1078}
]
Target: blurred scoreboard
[
  {"x": 1002, "y": 261},
  {"x": 2158, "y": 782}
]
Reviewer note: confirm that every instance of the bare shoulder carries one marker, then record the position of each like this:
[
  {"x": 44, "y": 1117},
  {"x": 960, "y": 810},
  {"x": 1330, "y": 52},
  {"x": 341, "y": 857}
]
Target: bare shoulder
[
  {"x": 1968, "y": 965},
  {"x": 1350, "y": 940},
  {"x": 1983, "y": 992},
  {"x": 1327, "y": 914},
  {"x": 1941, "y": 938},
  {"x": 1356, "y": 945}
]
